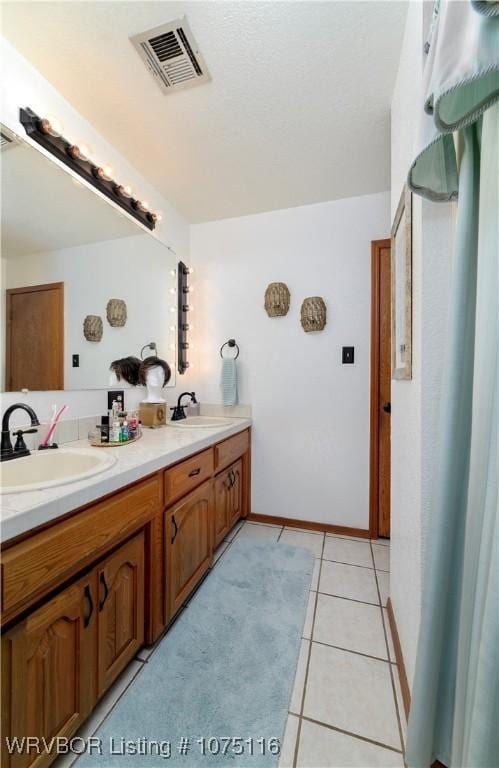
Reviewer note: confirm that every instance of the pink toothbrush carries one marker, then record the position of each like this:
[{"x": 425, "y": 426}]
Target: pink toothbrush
[{"x": 53, "y": 425}]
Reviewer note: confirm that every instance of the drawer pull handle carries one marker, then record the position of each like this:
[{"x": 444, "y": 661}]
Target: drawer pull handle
[
  {"x": 106, "y": 590},
  {"x": 194, "y": 472},
  {"x": 175, "y": 529},
  {"x": 88, "y": 596}
]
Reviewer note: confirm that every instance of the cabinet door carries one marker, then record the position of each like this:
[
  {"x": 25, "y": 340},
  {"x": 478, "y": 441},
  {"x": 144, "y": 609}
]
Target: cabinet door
[
  {"x": 221, "y": 512},
  {"x": 120, "y": 609},
  {"x": 48, "y": 665},
  {"x": 188, "y": 544},
  {"x": 236, "y": 493}
]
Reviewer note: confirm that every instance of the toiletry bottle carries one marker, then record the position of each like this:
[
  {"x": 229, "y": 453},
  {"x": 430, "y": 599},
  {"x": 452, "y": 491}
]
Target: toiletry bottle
[
  {"x": 116, "y": 430},
  {"x": 104, "y": 429},
  {"x": 126, "y": 431}
]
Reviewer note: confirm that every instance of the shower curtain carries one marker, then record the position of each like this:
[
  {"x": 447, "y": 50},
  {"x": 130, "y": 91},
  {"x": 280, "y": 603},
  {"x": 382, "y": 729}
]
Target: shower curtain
[{"x": 454, "y": 714}]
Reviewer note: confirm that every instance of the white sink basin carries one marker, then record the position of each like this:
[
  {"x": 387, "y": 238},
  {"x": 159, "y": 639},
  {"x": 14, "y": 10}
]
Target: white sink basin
[
  {"x": 45, "y": 469},
  {"x": 206, "y": 422}
]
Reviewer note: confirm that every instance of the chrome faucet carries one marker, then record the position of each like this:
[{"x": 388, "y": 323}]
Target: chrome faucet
[
  {"x": 8, "y": 452},
  {"x": 179, "y": 410}
]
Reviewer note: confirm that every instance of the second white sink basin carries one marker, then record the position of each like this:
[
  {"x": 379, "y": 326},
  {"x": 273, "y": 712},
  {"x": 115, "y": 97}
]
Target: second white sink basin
[
  {"x": 207, "y": 422},
  {"x": 45, "y": 469}
]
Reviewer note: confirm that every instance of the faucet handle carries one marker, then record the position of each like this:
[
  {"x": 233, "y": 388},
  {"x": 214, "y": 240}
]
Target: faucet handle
[{"x": 20, "y": 447}]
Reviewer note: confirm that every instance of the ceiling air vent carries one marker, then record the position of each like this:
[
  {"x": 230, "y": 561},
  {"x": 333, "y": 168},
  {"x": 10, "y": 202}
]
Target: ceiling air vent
[
  {"x": 172, "y": 56},
  {"x": 6, "y": 138}
]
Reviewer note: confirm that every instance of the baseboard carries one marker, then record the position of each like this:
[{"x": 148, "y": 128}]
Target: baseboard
[
  {"x": 399, "y": 658},
  {"x": 291, "y": 522}
]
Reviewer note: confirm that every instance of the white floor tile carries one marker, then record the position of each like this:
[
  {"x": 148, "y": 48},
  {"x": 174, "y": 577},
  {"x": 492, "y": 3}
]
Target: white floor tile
[
  {"x": 288, "y": 745},
  {"x": 102, "y": 710},
  {"x": 324, "y": 748},
  {"x": 231, "y": 535},
  {"x": 308, "y": 540},
  {"x": 315, "y": 574},
  {"x": 348, "y": 538},
  {"x": 391, "y": 648},
  {"x": 258, "y": 532},
  {"x": 219, "y": 551},
  {"x": 301, "y": 671},
  {"x": 348, "y": 581},
  {"x": 309, "y": 620},
  {"x": 348, "y": 551},
  {"x": 347, "y": 624},
  {"x": 384, "y": 585},
  {"x": 381, "y": 557},
  {"x": 353, "y": 693}
]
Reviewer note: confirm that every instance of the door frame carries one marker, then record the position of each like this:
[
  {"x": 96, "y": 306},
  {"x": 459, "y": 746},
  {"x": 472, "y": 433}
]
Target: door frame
[
  {"x": 376, "y": 247},
  {"x": 59, "y": 288}
]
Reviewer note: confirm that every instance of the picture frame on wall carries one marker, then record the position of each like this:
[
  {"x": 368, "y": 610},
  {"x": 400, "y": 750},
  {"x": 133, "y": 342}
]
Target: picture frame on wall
[{"x": 401, "y": 252}]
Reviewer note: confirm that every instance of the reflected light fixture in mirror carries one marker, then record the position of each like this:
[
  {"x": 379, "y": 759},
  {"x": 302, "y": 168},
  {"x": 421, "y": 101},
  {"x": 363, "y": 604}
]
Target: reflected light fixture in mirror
[{"x": 184, "y": 308}]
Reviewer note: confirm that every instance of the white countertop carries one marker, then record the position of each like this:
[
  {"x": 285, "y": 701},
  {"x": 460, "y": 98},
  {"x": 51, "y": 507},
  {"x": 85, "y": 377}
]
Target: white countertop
[{"x": 158, "y": 448}]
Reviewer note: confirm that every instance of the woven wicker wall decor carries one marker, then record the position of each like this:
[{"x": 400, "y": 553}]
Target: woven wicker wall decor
[
  {"x": 116, "y": 313},
  {"x": 277, "y": 298},
  {"x": 313, "y": 314},
  {"x": 93, "y": 328}
]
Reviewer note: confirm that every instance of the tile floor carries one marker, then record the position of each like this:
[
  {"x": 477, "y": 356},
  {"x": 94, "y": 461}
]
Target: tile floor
[{"x": 346, "y": 707}]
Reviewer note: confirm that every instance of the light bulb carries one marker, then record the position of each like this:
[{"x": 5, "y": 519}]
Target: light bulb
[
  {"x": 51, "y": 125},
  {"x": 145, "y": 204},
  {"x": 107, "y": 172},
  {"x": 172, "y": 327},
  {"x": 173, "y": 272},
  {"x": 191, "y": 327},
  {"x": 173, "y": 290},
  {"x": 158, "y": 216},
  {"x": 172, "y": 346},
  {"x": 190, "y": 270},
  {"x": 173, "y": 309}
]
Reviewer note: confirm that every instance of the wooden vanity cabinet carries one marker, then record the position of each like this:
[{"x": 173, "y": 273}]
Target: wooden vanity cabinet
[
  {"x": 228, "y": 500},
  {"x": 81, "y": 596},
  {"x": 188, "y": 544},
  {"x": 47, "y": 660},
  {"x": 120, "y": 616}
]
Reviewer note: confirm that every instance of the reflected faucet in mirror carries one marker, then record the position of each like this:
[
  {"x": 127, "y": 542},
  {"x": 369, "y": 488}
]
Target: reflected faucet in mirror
[{"x": 20, "y": 449}]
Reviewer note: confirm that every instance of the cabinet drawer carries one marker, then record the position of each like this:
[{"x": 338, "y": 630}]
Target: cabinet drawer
[
  {"x": 230, "y": 450},
  {"x": 187, "y": 475},
  {"x": 47, "y": 558}
]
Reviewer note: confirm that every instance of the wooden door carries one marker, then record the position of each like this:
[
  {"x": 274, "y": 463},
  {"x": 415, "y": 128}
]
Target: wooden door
[
  {"x": 121, "y": 610},
  {"x": 48, "y": 661},
  {"x": 188, "y": 533},
  {"x": 35, "y": 337},
  {"x": 380, "y": 389},
  {"x": 221, "y": 512}
]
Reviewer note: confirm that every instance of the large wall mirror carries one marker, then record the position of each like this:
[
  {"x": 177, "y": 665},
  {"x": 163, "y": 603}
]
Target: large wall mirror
[{"x": 66, "y": 252}]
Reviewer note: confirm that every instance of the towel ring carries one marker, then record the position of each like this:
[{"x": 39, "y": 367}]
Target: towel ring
[{"x": 230, "y": 343}]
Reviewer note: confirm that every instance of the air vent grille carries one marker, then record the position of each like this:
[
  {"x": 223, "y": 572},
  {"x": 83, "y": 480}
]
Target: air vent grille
[
  {"x": 6, "y": 138},
  {"x": 172, "y": 56}
]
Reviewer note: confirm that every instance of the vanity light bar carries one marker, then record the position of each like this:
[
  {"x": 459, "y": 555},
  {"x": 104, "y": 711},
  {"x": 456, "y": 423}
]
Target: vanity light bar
[
  {"x": 183, "y": 309},
  {"x": 48, "y": 133}
]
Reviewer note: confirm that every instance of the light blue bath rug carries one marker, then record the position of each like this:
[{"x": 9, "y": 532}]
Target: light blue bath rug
[{"x": 224, "y": 671}]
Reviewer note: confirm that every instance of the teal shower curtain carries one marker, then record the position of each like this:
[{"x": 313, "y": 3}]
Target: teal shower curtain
[{"x": 454, "y": 714}]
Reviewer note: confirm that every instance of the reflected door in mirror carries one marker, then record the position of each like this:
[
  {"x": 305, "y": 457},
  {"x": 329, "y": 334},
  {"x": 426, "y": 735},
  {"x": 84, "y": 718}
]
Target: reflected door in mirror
[{"x": 35, "y": 337}]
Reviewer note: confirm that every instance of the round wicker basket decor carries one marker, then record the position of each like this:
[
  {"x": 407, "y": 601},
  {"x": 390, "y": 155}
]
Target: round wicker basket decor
[
  {"x": 277, "y": 298},
  {"x": 93, "y": 328},
  {"x": 313, "y": 314},
  {"x": 116, "y": 313}
]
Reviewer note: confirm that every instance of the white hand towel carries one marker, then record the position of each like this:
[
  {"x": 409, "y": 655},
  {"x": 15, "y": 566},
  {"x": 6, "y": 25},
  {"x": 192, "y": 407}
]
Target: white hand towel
[{"x": 228, "y": 381}]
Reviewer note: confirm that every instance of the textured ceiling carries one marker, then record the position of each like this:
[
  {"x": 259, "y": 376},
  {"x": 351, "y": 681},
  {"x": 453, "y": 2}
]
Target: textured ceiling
[{"x": 297, "y": 110}]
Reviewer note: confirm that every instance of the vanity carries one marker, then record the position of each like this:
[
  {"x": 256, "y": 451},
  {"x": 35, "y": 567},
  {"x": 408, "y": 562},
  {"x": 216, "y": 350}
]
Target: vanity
[{"x": 86, "y": 588}]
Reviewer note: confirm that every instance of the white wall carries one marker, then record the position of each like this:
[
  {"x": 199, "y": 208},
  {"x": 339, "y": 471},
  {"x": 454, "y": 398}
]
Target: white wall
[
  {"x": 136, "y": 269},
  {"x": 415, "y": 403},
  {"x": 311, "y": 414},
  {"x": 22, "y": 86}
]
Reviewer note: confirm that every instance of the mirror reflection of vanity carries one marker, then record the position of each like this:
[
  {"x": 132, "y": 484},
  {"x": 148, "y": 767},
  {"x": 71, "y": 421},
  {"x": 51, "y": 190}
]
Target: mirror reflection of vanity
[{"x": 82, "y": 283}]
